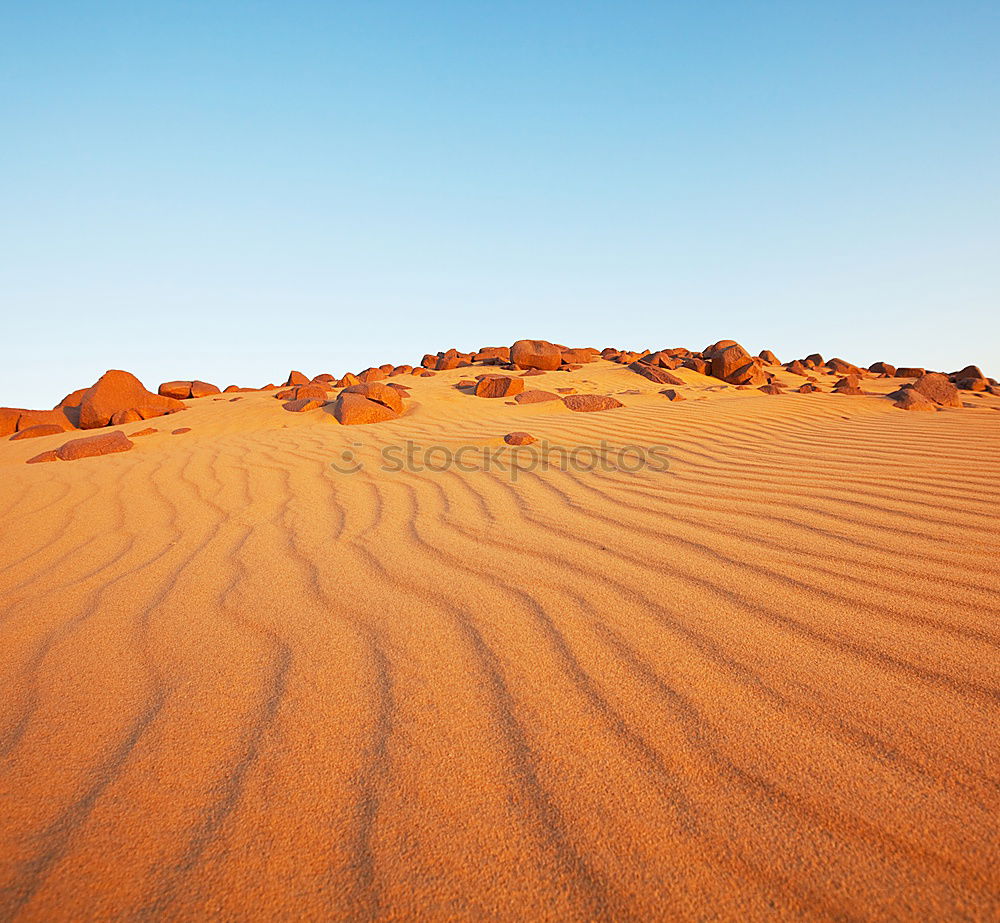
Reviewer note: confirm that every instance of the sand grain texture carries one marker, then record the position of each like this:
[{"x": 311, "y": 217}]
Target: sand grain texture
[{"x": 238, "y": 684}]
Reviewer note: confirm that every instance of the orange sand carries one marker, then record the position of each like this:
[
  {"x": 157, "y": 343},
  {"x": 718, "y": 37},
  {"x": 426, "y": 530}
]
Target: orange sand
[{"x": 239, "y": 685}]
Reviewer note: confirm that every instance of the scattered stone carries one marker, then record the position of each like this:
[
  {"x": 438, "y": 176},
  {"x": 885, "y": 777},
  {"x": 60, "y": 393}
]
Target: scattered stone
[
  {"x": 535, "y": 396},
  {"x": 498, "y": 386},
  {"x": 179, "y": 390},
  {"x": 8, "y": 420},
  {"x": 117, "y": 390},
  {"x": 587, "y": 403},
  {"x": 519, "y": 438},
  {"x": 125, "y": 416},
  {"x": 352, "y": 408},
  {"x": 769, "y": 357},
  {"x": 701, "y": 366},
  {"x": 736, "y": 366},
  {"x": 797, "y": 367},
  {"x": 50, "y": 455},
  {"x": 41, "y": 429},
  {"x": 371, "y": 375},
  {"x": 970, "y": 371},
  {"x": 90, "y": 446},
  {"x": 842, "y": 367},
  {"x": 536, "y": 354},
  {"x": 936, "y": 386},
  {"x": 973, "y": 384},
  {"x": 883, "y": 368},
  {"x": 390, "y": 397},
  {"x": 849, "y": 384},
  {"x": 295, "y": 379},
  {"x": 911, "y": 399},
  {"x": 303, "y": 404},
  {"x": 672, "y": 395},
  {"x": 807, "y": 388},
  {"x": 909, "y": 372},
  {"x": 203, "y": 389},
  {"x": 656, "y": 373},
  {"x": 771, "y": 388}
]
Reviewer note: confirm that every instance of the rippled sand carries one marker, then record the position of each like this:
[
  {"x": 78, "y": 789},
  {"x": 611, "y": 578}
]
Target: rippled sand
[{"x": 238, "y": 684}]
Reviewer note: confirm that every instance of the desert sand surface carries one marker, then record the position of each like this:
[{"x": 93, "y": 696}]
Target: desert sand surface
[{"x": 763, "y": 683}]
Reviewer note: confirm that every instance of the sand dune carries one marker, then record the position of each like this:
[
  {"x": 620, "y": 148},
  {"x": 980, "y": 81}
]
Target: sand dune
[{"x": 239, "y": 684}]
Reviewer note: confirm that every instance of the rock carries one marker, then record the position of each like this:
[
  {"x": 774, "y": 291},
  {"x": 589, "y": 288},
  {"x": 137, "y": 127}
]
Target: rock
[
  {"x": 310, "y": 392},
  {"x": 909, "y": 372},
  {"x": 709, "y": 351},
  {"x": 58, "y": 417},
  {"x": 322, "y": 379},
  {"x": 429, "y": 361},
  {"x": 402, "y": 370},
  {"x": 286, "y": 394},
  {"x": 203, "y": 389},
  {"x": 654, "y": 373},
  {"x": 50, "y": 455},
  {"x": 352, "y": 408},
  {"x": 348, "y": 380},
  {"x": 769, "y": 357},
  {"x": 849, "y": 384},
  {"x": 579, "y": 356},
  {"x": 466, "y": 383},
  {"x": 973, "y": 384},
  {"x": 813, "y": 360},
  {"x": 179, "y": 390},
  {"x": 498, "y": 386},
  {"x": 519, "y": 438},
  {"x": 701, "y": 366},
  {"x": 117, "y": 390},
  {"x": 842, "y": 367},
  {"x": 302, "y": 404},
  {"x": 536, "y": 354},
  {"x": 771, "y": 388},
  {"x": 390, "y": 397},
  {"x": 402, "y": 389},
  {"x": 125, "y": 416},
  {"x": 970, "y": 371},
  {"x": 797, "y": 367},
  {"x": 807, "y": 388},
  {"x": 371, "y": 375},
  {"x": 295, "y": 379},
  {"x": 181, "y": 431},
  {"x": 535, "y": 396},
  {"x": 41, "y": 429},
  {"x": 936, "y": 387},
  {"x": 587, "y": 403},
  {"x": 8, "y": 420},
  {"x": 387, "y": 367},
  {"x": 735, "y": 365},
  {"x": 883, "y": 368},
  {"x": 911, "y": 399},
  {"x": 672, "y": 395},
  {"x": 90, "y": 446}
]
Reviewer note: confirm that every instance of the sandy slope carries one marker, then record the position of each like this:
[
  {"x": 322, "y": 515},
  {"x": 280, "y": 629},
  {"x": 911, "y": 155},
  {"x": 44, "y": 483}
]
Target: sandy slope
[{"x": 239, "y": 684}]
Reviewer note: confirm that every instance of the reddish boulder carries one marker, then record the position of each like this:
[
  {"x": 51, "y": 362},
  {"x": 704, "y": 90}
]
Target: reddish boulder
[
  {"x": 41, "y": 429},
  {"x": 117, "y": 390},
  {"x": 352, "y": 408},
  {"x": 90, "y": 446},
  {"x": 883, "y": 368},
  {"x": 349, "y": 379},
  {"x": 769, "y": 357},
  {"x": 57, "y": 417},
  {"x": 655, "y": 373},
  {"x": 813, "y": 360},
  {"x": 386, "y": 395},
  {"x": 322, "y": 378},
  {"x": 909, "y": 372},
  {"x": 973, "y": 384},
  {"x": 50, "y": 455},
  {"x": 302, "y": 404},
  {"x": 936, "y": 387},
  {"x": 372, "y": 375},
  {"x": 672, "y": 395},
  {"x": 295, "y": 379},
  {"x": 536, "y": 354},
  {"x": 797, "y": 367},
  {"x": 125, "y": 416},
  {"x": 402, "y": 370},
  {"x": 8, "y": 420},
  {"x": 709, "y": 351},
  {"x": 849, "y": 384},
  {"x": 535, "y": 396},
  {"x": 842, "y": 367},
  {"x": 498, "y": 386},
  {"x": 807, "y": 388},
  {"x": 519, "y": 438},
  {"x": 179, "y": 390},
  {"x": 203, "y": 389},
  {"x": 701, "y": 366},
  {"x": 771, "y": 388},
  {"x": 911, "y": 399},
  {"x": 587, "y": 403},
  {"x": 735, "y": 365},
  {"x": 970, "y": 371}
]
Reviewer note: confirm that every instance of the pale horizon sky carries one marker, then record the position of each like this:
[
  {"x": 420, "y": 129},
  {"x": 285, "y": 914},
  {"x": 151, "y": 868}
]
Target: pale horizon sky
[{"x": 230, "y": 190}]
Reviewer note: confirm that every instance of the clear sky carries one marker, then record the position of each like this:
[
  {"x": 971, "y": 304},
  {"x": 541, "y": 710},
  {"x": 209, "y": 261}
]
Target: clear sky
[{"x": 226, "y": 190}]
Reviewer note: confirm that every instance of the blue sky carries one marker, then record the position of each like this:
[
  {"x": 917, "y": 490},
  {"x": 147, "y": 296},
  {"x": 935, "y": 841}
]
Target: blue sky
[{"x": 230, "y": 189}]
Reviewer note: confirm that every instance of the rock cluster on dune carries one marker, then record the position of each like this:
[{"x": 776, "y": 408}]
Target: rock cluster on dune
[{"x": 368, "y": 396}]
